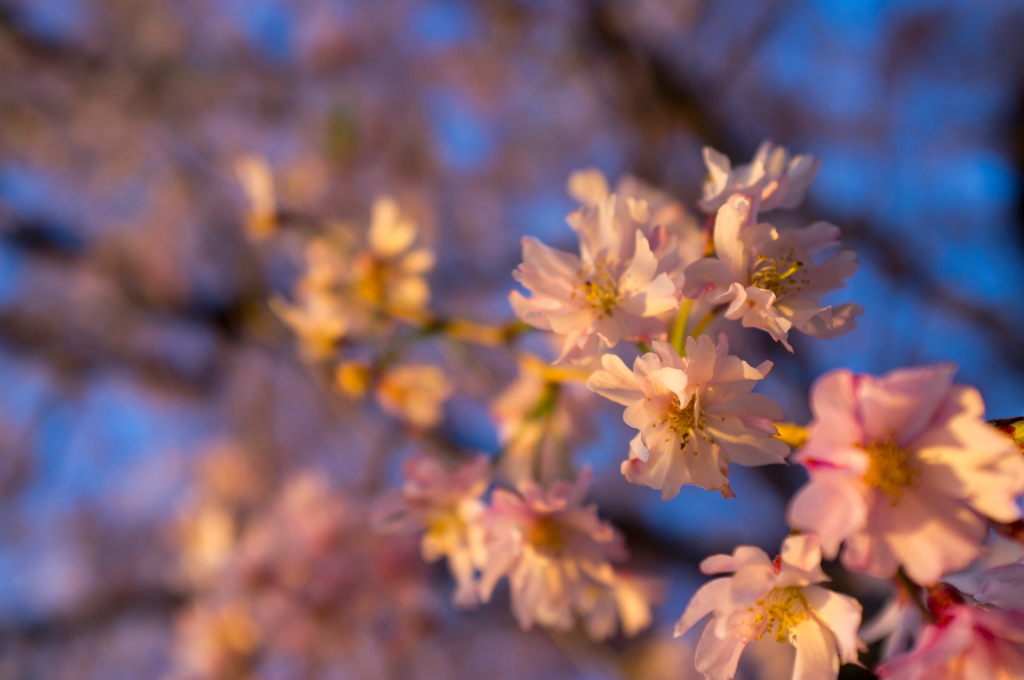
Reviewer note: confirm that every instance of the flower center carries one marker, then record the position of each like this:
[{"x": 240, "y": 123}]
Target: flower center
[
  {"x": 444, "y": 523},
  {"x": 889, "y": 469},
  {"x": 782, "y": 610},
  {"x": 600, "y": 289},
  {"x": 777, "y": 275},
  {"x": 684, "y": 419},
  {"x": 547, "y": 537}
]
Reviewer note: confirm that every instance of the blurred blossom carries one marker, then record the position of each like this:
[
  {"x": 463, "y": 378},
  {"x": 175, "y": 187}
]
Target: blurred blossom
[
  {"x": 539, "y": 417},
  {"x": 447, "y": 504},
  {"x": 966, "y": 642},
  {"x": 345, "y": 294},
  {"x": 308, "y": 583},
  {"x": 415, "y": 393},
  {"x": 257, "y": 180},
  {"x": 557, "y": 556}
]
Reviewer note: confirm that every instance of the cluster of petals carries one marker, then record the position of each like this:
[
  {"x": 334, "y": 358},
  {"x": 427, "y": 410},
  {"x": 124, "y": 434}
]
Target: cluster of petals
[
  {"x": 769, "y": 279},
  {"x": 777, "y": 598},
  {"x": 905, "y": 470},
  {"x": 341, "y": 295},
  {"x": 557, "y": 555},
  {"x": 696, "y": 414},
  {"x": 672, "y": 231},
  {"x": 773, "y": 177},
  {"x": 447, "y": 504},
  {"x": 615, "y": 289},
  {"x": 537, "y": 415},
  {"x": 966, "y": 643},
  {"x": 415, "y": 393}
]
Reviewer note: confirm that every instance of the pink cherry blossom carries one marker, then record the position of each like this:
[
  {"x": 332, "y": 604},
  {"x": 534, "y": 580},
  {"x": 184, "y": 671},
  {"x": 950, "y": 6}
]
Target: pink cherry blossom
[
  {"x": 695, "y": 414},
  {"x": 1004, "y": 587},
  {"x": 553, "y": 550},
  {"x": 775, "y": 598},
  {"x": 968, "y": 643},
  {"x": 612, "y": 291},
  {"x": 674, "y": 234},
  {"x": 776, "y": 179},
  {"x": 447, "y": 503},
  {"x": 769, "y": 279},
  {"x": 905, "y": 471}
]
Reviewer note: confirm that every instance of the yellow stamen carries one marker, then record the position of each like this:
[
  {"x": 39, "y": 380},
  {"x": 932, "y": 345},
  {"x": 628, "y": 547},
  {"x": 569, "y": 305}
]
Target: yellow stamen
[
  {"x": 777, "y": 275},
  {"x": 783, "y": 610},
  {"x": 889, "y": 469},
  {"x": 600, "y": 289},
  {"x": 547, "y": 537},
  {"x": 684, "y": 419}
]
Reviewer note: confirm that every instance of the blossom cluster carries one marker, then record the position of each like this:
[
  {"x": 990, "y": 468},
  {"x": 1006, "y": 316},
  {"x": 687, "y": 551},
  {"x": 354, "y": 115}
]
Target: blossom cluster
[{"x": 907, "y": 481}]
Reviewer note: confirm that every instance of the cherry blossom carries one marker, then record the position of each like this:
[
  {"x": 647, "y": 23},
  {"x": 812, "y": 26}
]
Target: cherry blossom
[
  {"x": 447, "y": 503},
  {"x": 415, "y": 393},
  {"x": 778, "y": 180},
  {"x": 769, "y": 279},
  {"x": 342, "y": 293},
  {"x": 555, "y": 551},
  {"x": 966, "y": 643},
  {"x": 674, "y": 235},
  {"x": 774, "y": 598},
  {"x": 695, "y": 414},
  {"x": 1004, "y": 587},
  {"x": 905, "y": 471},
  {"x": 614, "y": 290},
  {"x": 537, "y": 417}
]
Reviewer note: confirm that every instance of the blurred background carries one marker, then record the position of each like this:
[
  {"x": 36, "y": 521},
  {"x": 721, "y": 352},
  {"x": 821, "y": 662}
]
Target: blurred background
[{"x": 146, "y": 382}]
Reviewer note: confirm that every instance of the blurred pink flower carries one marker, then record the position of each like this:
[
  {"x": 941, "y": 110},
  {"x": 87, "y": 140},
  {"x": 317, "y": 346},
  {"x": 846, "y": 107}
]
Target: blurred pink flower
[
  {"x": 776, "y": 598},
  {"x": 695, "y": 414},
  {"x": 614, "y": 290},
  {"x": 539, "y": 416},
  {"x": 773, "y": 176},
  {"x": 415, "y": 393},
  {"x": 769, "y": 279},
  {"x": 967, "y": 643},
  {"x": 1004, "y": 587},
  {"x": 905, "y": 470},
  {"x": 445, "y": 502},
  {"x": 552, "y": 548}
]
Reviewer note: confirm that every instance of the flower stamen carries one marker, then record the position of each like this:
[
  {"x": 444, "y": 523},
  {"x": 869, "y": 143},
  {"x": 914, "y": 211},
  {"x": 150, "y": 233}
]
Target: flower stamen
[{"x": 889, "y": 469}]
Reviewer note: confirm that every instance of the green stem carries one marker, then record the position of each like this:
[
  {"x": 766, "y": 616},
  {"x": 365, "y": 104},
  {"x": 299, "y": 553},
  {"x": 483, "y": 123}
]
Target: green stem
[
  {"x": 678, "y": 336},
  {"x": 703, "y": 323}
]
